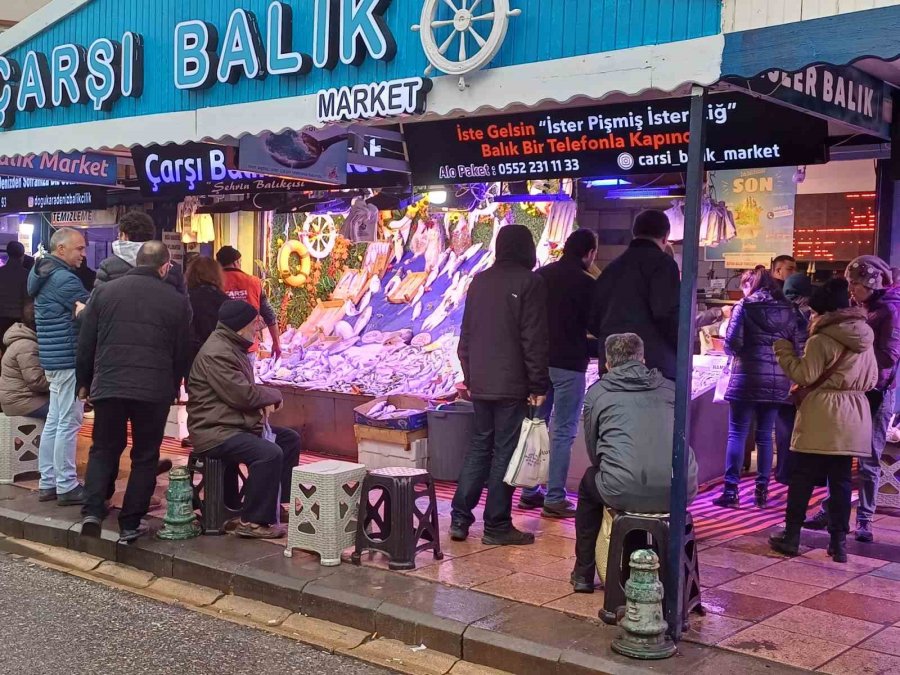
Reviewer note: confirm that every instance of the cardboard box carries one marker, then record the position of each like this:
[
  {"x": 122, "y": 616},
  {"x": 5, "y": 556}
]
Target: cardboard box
[
  {"x": 400, "y": 401},
  {"x": 394, "y": 437}
]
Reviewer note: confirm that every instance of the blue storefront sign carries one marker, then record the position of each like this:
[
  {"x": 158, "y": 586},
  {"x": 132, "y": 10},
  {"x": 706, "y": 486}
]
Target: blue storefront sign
[
  {"x": 86, "y": 168},
  {"x": 112, "y": 59}
]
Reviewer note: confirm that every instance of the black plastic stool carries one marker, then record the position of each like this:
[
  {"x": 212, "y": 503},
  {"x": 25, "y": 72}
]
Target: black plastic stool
[
  {"x": 209, "y": 493},
  {"x": 631, "y": 532},
  {"x": 394, "y": 524}
]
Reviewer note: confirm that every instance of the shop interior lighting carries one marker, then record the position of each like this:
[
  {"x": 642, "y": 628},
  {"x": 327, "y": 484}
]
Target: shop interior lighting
[
  {"x": 531, "y": 199},
  {"x": 643, "y": 193},
  {"x": 437, "y": 197},
  {"x": 26, "y": 228},
  {"x": 606, "y": 182}
]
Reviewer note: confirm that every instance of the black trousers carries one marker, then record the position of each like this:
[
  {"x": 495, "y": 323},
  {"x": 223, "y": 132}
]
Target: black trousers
[
  {"x": 269, "y": 467},
  {"x": 808, "y": 471},
  {"x": 148, "y": 426},
  {"x": 497, "y": 428},
  {"x": 588, "y": 521}
]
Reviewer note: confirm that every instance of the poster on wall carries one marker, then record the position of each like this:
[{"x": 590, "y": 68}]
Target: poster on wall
[
  {"x": 173, "y": 242},
  {"x": 762, "y": 204},
  {"x": 646, "y": 137},
  {"x": 318, "y": 157}
]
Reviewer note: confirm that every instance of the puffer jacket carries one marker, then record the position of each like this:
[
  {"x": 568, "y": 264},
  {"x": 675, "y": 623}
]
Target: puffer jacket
[
  {"x": 629, "y": 415},
  {"x": 23, "y": 386},
  {"x": 124, "y": 259},
  {"x": 834, "y": 419},
  {"x": 883, "y": 309},
  {"x": 55, "y": 289},
  {"x": 223, "y": 399},
  {"x": 756, "y": 323}
]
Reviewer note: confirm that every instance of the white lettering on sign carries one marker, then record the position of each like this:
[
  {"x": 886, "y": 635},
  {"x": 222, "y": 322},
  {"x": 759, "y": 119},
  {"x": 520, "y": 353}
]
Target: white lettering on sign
[
  {"x": 828, "y": 87},
  {"x": 378, "y": 99},
  {"x": 72, "y": 218}
]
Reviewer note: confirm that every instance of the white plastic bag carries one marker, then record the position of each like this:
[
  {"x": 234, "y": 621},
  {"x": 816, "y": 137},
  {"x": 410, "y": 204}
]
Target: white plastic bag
[
  {"x": 530, "y": 463},
  {"x": 722, "y": 384}
]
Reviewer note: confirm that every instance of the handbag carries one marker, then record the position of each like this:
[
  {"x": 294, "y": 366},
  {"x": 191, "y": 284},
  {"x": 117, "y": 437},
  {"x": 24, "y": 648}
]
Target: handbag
[
  {"x": 722, "y": 382},
  {"x": 798, "y": 394},
  {"x": 530, "y": 462}
]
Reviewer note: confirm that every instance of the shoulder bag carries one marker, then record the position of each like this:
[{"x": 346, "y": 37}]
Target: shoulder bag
[{"x": 798, "y": 394}]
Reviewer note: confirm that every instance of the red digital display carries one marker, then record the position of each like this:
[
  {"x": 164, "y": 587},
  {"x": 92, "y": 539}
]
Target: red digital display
[{"x": 834, "y": 227}]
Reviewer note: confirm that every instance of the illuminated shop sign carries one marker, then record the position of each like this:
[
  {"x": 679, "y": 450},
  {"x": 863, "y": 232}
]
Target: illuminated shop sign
[{"x": 78, "y": 167}]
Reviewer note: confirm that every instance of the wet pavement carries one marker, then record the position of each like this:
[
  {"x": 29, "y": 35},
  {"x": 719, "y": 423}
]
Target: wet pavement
[{"x": 52, "y": 622}]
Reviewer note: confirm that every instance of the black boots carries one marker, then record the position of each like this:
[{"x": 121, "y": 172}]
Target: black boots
[
  {"x": 837, "y": 547},
  {"x": 786, "y": 542},
  {"x": 761, "y": 496},
  {"x": 729, "y": 498}
]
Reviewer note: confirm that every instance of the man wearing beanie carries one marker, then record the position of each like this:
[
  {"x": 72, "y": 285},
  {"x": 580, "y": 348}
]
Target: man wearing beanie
[
  {"x": 228, "y": 419},
  {"x": 242, "y": 286},
  {"x": 639, "y": 292},
  {"x": 872, "y": 288},
  {"x": 504, "y": 352},
  {"x": 133, "y": 353}
]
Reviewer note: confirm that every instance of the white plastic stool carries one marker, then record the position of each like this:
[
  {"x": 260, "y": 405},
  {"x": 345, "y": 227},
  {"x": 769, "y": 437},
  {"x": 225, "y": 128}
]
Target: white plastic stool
[
  {"x": 324, "y": 506},
  {"x": 20, "y": 438}
]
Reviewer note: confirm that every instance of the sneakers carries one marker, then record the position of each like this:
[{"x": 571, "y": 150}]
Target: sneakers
[
  {"x": 761, "y": 496},
  {"x": 128, "y": 536},
  {"x": 535, "y": 501},
  {"x": 256, "y": 531},
  {"x": 817, "y": 522},
  {"x": 459, "y": 532},
  {"x": 91, "y": 527},
  {"x": 512, "y": 537},
  {"x": 74, "y": 497},
  {"x": 580, "y": 585},
  {"x": 785, "y": 543},
  {"x": 729, "y": 498},
  {"x": 864, "y": 532},
  {"x": 47, "y": 495},
  {"x": 163, "y": 466},
  {"x": 563, "y": 509}
]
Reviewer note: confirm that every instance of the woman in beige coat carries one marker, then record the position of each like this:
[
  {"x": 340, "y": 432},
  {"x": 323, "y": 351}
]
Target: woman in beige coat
[
  {"x": 834, "y": 422},
  {"x": 24, "y": 390}
]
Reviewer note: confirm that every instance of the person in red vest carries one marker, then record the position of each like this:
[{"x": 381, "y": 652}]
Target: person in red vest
[{"x": 242, "y": 286}]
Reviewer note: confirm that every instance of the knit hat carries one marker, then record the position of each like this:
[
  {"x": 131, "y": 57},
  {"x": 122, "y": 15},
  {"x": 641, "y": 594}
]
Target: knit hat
[
  {"x": 797, "y": 286},
  {"x": 237, "y": 314},
  {"x": 515, "y": 243},
  {"x": 228, "y": 255},
  {"x": 870, "y": 271},
  {"x": 831, "y": 297}
]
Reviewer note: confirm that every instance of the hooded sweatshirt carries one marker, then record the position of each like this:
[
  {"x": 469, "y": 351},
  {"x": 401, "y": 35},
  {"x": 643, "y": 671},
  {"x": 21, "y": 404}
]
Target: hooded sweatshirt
[
  {"x": 55, "y": 289},
  {"x": 504, "y": 344},
  {"x": 835, "y": 417},
  {"x": 23, "y": 386},
  {"x": 629, "y": 418},
  {"x": 124, "y": 259}
]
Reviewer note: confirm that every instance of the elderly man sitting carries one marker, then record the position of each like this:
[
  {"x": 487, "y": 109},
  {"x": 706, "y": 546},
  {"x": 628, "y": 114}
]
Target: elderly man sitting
[
  {"x": 226, "y": 420},
  {"x": 628, "y": 429}
]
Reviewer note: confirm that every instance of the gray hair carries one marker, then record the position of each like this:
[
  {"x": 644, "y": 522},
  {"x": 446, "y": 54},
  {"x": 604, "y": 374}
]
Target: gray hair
[
  {"x": 62, "y": 236},
  {"x": 622, "y": 348}
]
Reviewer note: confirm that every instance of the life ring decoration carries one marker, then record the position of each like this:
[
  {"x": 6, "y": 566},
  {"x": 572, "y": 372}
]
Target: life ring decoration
[
  {"x": 304, "y": 267},
  {"x": 319, "y": 234},
  {"x": 469, "y": 23}
]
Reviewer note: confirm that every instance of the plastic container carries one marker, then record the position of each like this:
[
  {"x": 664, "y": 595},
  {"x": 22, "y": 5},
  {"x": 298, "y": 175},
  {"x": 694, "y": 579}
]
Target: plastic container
[{"x": 450, "y": 429}]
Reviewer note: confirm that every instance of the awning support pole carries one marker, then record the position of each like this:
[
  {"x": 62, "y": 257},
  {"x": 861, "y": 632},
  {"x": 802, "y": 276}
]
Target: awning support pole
[{"x": 686, "y": 335}]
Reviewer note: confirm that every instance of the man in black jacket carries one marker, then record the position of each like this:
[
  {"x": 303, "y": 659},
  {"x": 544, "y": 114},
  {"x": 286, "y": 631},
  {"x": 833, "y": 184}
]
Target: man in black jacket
[
  {"x": 503, "y": 350},
  {"x": 133, "y": 352},
  {"x": 569, "y": 292},
  {"x": 13, "y": 278},
  {"x": 638, "y": 292}
]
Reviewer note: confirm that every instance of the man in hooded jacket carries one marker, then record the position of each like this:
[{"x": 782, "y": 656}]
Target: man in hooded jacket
[
  {"x": 504, "y": 352},
  {"x": 629, "y": 416}
]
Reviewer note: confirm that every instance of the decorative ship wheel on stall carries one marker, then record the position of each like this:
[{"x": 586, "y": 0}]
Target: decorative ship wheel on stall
[
  {"x": 473, "y": 24},
  {"x": 318, "y": 233}
]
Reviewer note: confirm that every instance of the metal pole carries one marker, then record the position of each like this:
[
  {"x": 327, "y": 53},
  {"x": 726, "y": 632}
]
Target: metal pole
[{"x": 686, "y": 334}]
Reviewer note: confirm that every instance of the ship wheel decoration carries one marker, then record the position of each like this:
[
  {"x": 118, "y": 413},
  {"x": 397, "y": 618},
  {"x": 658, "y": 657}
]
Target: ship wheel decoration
[
  {"x": 476, "y": 34},
  {"x": 319, "y": 234}
]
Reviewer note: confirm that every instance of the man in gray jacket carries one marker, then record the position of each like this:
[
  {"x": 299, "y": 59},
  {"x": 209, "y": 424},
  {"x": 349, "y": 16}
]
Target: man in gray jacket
[{"x": 628, "y": 430}]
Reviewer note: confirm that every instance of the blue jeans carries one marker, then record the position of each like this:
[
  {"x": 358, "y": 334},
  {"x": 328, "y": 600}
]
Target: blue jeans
[
  {"x": 56, "y": 456},
  {"x": 563, "y": 408},
  {"x": 740, "y": 419}
]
